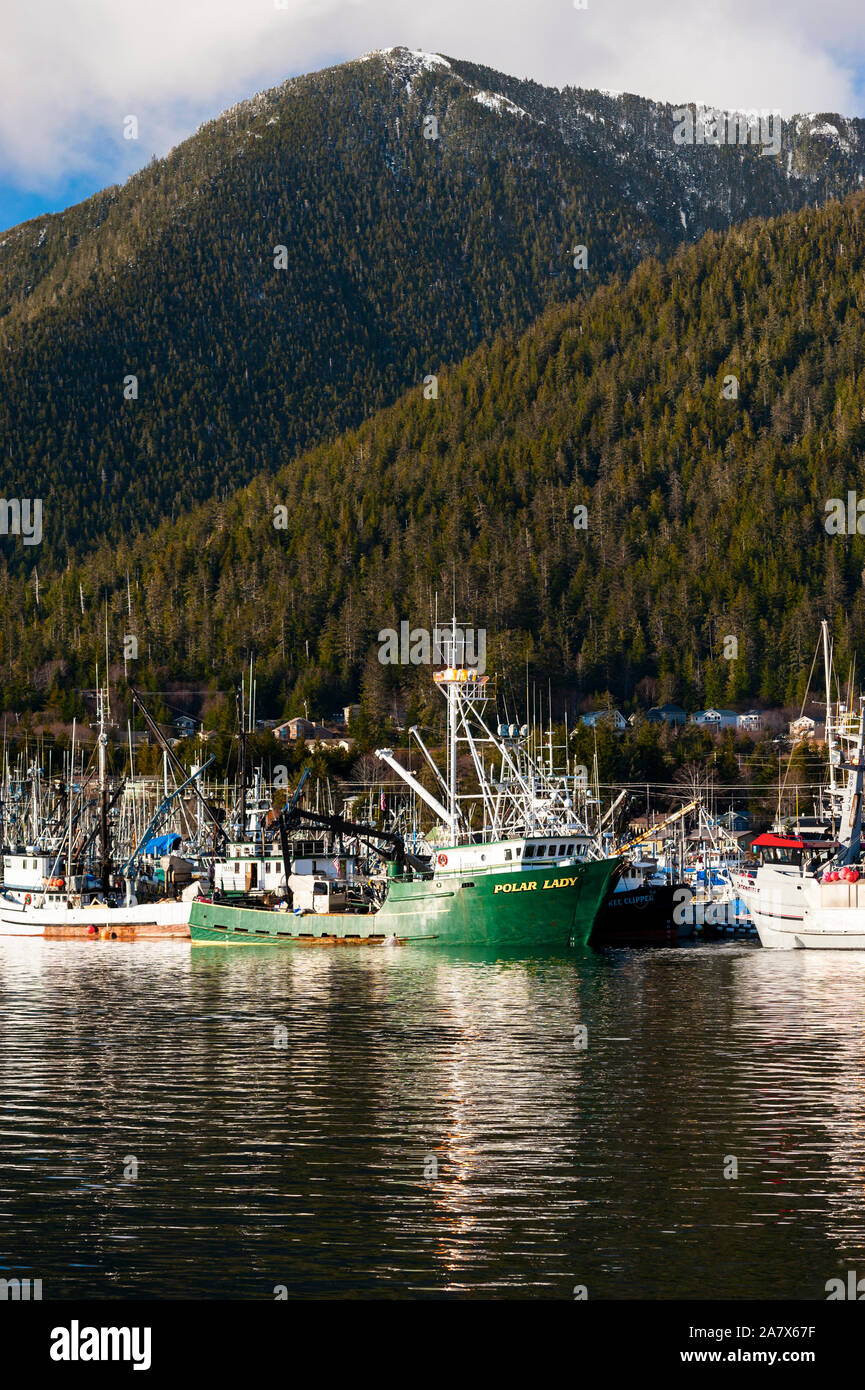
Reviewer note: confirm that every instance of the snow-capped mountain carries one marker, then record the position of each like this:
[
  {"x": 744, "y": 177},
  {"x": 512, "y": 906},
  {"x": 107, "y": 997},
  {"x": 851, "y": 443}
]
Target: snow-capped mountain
[{"x": 324, "y": 246}]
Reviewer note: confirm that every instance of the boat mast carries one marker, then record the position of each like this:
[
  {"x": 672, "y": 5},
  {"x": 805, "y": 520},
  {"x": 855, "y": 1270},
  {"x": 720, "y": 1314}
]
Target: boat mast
[
  {"x": 241, "y": 756},
  {"x": 69, "y": 842},
  {"x": 451, "y": 697},
  {"x": 830, "y": 726},
  {"x": 850, "y": 833},
  {"x": 102, "y": 717},
  {"x": 34, "y": 804},
  {"x": 452, "y": 760}
]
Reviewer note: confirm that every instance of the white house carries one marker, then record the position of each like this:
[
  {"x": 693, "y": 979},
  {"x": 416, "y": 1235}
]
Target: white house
[
  {"x": 605, "y": 716},
  {"x": 751, "y": 721},
  {"x": 803, "y": 728},
  {"x": 716, "y": 718}
]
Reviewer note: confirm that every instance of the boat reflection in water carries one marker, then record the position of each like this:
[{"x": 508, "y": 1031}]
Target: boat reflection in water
[{"x": 281, "y": 1107}]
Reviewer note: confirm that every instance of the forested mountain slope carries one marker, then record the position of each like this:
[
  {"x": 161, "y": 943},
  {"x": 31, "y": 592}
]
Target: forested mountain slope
[{"x": 704, "y": 513}]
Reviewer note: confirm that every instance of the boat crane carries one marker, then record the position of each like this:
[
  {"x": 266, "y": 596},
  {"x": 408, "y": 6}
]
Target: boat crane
[
  {"x": 653, "y": 830},
  {"x": 161, "y": 811}
]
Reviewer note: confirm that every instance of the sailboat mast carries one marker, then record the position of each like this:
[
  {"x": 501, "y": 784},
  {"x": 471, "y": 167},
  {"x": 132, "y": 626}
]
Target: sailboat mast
[
  {"x": 69, "y": 841},
  {"x": 830, "y": 729},
  {"x": 104, "y": 839}
]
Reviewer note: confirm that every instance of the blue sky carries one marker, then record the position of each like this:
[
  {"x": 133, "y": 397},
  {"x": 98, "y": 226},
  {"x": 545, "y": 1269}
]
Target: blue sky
[{"x": 71, "y": 71}]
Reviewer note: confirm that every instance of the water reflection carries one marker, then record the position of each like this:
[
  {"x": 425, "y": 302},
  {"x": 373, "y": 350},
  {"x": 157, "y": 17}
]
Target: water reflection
[{"x": 430, "y": 1128}]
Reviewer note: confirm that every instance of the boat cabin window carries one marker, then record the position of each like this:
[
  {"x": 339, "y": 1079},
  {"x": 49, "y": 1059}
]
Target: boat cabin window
[
  {"x": 508, "y": 854},
  {"x": 562, "y": 850},
  {"x": 780, "y": 854},
  {"x": 319, "y": 888},
  {"x": 530, "y": 850},
  {"x": 822, "y": 856}
]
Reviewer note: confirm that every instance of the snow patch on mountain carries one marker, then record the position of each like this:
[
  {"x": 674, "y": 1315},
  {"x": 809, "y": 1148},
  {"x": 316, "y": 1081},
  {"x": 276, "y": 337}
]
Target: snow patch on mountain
[
  {"x": 416, "y": 58},
  {"x": 494, "y": 101},
  {"x": 812, "y": 125},
  {"x": 406, "y": 63},
  {"x": 847, "y": 137}
]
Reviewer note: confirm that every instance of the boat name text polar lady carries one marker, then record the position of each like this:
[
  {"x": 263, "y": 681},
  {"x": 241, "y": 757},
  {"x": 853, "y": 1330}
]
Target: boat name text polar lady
[{"x": 528, "y": 887}]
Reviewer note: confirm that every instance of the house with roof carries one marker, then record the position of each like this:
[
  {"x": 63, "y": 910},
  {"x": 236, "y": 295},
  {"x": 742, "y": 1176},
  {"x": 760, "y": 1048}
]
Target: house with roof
[
  {"x": 292, "y": 730},
  {"x": 751, "y": 722},
  {"x": 805, "y": 729},
  {"x": 316, "y": 735},
  {"x": 613, "y": 717},
  {"x": 666, "y": 714},
  {"x": 716, "y": 718}
]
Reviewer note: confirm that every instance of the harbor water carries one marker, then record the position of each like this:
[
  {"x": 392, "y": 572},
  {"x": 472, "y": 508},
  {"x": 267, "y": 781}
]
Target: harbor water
[{"x": 257, "y": 1123}]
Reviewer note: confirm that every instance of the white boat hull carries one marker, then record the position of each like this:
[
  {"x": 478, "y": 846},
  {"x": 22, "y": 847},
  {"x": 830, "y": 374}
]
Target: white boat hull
[
  {"x": 21, "y": 925},
  {"x": 832, "y": 919},
  {"x": 817, "y": 935},
  {"x": 16, "y": 919}
]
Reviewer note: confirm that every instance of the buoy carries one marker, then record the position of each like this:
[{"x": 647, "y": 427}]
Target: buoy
[{"x": 854, "y": 875}]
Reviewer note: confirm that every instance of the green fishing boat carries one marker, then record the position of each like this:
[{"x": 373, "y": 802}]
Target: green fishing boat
[
  {"x": 532, "y": 876},
  {"x": 487, "y": 894}
]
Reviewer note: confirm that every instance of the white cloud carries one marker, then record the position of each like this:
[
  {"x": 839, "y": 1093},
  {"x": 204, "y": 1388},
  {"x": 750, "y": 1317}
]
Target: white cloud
[{"x": 71, "y": 70}]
